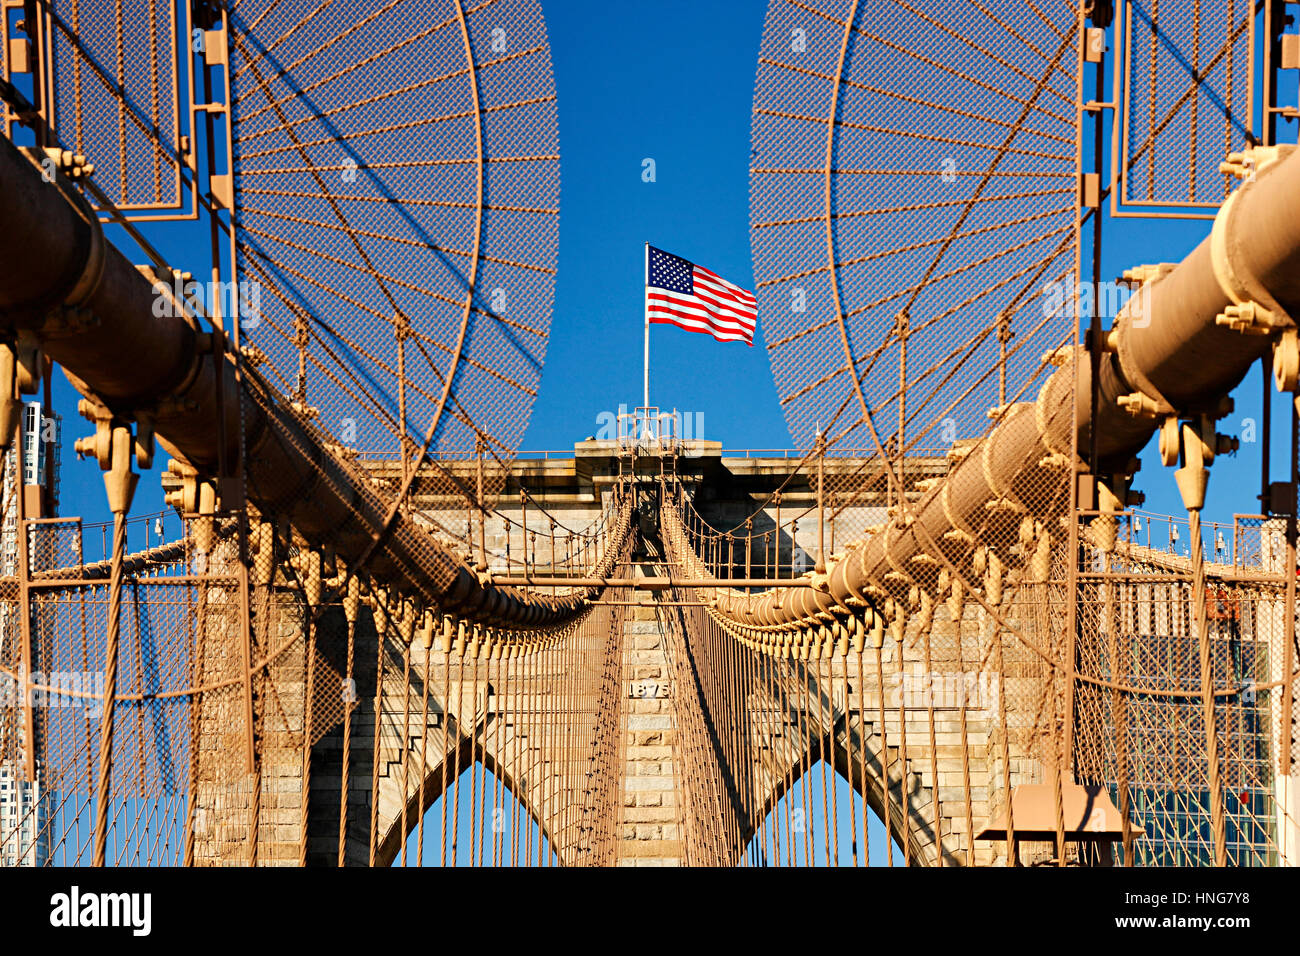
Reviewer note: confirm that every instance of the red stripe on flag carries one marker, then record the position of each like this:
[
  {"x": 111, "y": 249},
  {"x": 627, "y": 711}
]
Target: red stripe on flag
[
  {"x": 701, "y": 327},
  {"x": 695, "y": 310},
  {"x": 721, "y": 287},
  {"x": 716, "y": 306},
  {"x": 691, "y": 303}
]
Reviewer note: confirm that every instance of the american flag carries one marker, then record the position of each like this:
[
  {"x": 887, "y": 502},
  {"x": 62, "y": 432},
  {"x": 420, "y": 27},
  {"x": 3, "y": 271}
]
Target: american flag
[{"x": 691, "y": 297}]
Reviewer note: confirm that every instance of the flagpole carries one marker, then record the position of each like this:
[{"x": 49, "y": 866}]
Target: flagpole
[{"x": 646, "y": 298}]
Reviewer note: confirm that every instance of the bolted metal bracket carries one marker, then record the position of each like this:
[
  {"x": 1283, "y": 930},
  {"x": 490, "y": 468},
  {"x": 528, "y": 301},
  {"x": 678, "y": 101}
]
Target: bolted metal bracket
[
  {"x": 114, "y": 447},
  {"x": 1248, "y": 318},
  {"x": 144, "y": 445},
  {"x": 1194, "y": 476},
  {"x": 1058, "y": 357},
  {"x": 10, "y": 402},
  {"x": 70, "y": 164},
  {"x": 99, "y": 445},
  {"x": 1142, "y": 405},
  {"x": 191, "y": 494},
  {"x": 1139, "y": 276},
  {"x": 20, "y": 374},
  {"x": 1253, "y": 160},
  {"x": 1169, "y": 441},
  {"x": 1286, "y": 361},
  {"x": 1196, "y": 443}
]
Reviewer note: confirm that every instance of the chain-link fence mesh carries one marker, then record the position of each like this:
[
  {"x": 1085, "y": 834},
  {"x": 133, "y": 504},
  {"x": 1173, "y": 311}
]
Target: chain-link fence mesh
[
  {"x": 1142, "y": 720},
  {"x": 913, "y": 191},
  {"x": 1186, "y": 76},
  {"x": 294, "y": 681},
  {"x": 397, "y": 191},
  {"x": 117, "y": 95}
]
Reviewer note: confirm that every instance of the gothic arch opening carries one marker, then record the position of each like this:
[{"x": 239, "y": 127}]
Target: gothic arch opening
[
  {"x": 478, "y": 821},
  {"x": 820, "y": 819}
]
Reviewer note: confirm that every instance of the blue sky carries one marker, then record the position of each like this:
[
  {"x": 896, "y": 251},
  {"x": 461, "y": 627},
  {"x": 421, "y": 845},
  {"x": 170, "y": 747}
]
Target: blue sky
[{"x": 673, "y": 82}]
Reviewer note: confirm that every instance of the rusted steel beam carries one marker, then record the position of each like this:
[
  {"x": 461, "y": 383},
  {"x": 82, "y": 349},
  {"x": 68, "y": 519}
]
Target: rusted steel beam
[
  {"x": 649, "y": 583},
  {"x": 1175, "y": 353},
  {"x": 89, "y": 309}
]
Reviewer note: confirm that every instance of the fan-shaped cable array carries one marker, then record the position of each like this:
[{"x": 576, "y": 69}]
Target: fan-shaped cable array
[
  {"x": 912, "y": 191},
  {"x": 396, "y": 213}
]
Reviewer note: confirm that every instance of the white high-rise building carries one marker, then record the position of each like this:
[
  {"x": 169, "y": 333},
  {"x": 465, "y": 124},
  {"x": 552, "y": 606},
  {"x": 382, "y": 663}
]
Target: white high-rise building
[
  {"x": 24, "y": 822},
  {"x": 24, "y": 806}
]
